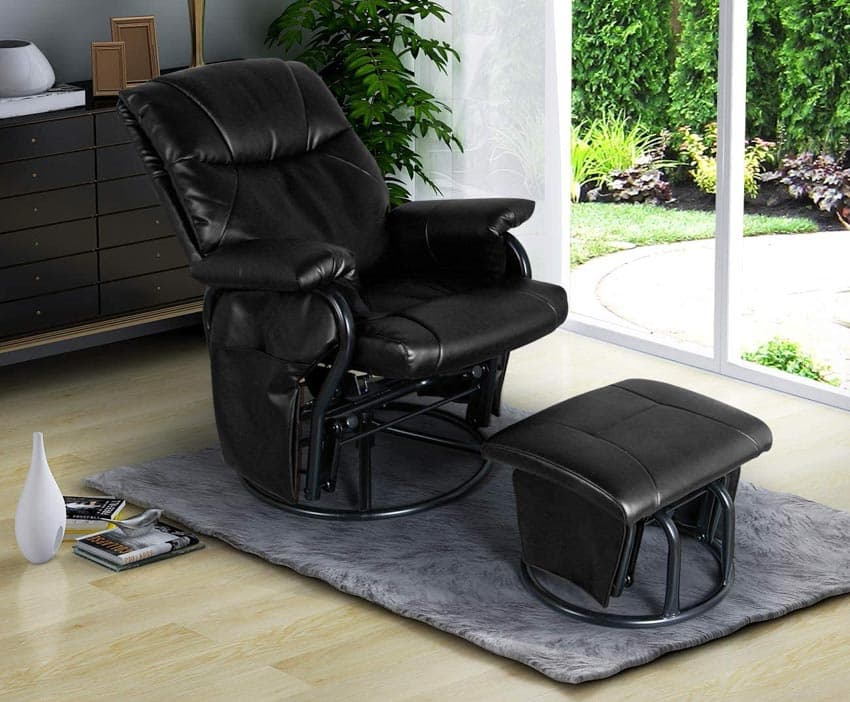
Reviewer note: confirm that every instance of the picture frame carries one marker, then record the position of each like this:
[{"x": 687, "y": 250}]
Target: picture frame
[
  {"x": 108, "y": 67},
  {"x": 142, "y": 52}
]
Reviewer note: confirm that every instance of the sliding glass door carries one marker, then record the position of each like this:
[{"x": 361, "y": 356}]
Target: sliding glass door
[{"x": 664, "y": 255}]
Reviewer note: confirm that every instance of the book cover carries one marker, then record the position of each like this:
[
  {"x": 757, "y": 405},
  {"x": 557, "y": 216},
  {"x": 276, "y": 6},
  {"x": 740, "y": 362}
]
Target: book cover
[
  {"x": 59, "y": 97},
  {"x": 85, "y": 514},
  {"x": 122, "y": 550}
]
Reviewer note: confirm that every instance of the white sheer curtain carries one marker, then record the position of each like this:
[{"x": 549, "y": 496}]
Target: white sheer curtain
[{"x": 508, "y": 112}]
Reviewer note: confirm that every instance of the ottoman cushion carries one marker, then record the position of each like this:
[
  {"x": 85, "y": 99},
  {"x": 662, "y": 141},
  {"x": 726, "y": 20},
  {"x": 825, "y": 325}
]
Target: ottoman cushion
[
  {"x": 634, "y": 446},
  {"x": 590, "y": 470}
]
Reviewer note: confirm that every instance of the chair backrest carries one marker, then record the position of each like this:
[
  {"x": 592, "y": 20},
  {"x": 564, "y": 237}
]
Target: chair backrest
[{"x": 257, "y": 149}]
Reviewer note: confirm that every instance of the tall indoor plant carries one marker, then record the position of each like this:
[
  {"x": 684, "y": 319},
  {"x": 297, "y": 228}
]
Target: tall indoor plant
[{"x": 364, "y": 50}]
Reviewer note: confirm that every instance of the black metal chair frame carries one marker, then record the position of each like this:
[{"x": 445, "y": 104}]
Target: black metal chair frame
[
  {"x": 717, "y": 506},
  {"x": 343, "y": 410}
]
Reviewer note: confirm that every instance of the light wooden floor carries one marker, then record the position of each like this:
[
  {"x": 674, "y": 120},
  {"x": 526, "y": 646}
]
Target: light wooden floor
[{"x": 222, "y": 625}]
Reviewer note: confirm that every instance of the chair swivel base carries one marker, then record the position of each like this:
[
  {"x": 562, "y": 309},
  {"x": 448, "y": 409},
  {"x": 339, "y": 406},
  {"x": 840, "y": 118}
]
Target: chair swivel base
[{"x": 307, "y": 509}]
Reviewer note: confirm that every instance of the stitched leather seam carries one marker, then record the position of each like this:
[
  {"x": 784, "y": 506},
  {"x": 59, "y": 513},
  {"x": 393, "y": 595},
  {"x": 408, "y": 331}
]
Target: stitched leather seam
[
  {"x": 427, "y": 233},
  {"x": 227, "y": 143},
  {"x": 541, "y": 299},
  {"x": 698, "y": 414},
  {"x": 631, "y": 416},
  {"x": 348, "y": 163},
  {"x": 563, "y": 469},
  {"x": 620, "y": 449},
  {"x": 430, "y": 331},
  {"x": 303, "y": 109},
  {"x": 375, "y": 335}
]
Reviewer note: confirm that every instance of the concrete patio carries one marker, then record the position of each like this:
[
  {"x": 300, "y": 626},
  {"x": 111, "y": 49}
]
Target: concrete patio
[{"x": 794, "y": 286}]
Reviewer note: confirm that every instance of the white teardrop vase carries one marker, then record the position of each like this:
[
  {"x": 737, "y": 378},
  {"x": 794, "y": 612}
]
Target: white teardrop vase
[{"x": 40, "y": 516}]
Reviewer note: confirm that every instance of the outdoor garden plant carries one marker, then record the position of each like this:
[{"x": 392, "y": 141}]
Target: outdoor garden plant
[
  {"x": 786, "y": 355},
  {"x": 364, "y": 50},
  {"x": 822, "y": 179},
  {"x": 701, "y": 152}
]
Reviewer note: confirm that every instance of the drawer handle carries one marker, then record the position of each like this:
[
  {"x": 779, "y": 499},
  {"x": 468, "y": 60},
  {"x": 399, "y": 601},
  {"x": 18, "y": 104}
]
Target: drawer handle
[
  {"x": 33, "y": 140},
  {"x": 37, "y": 278},
  {"x": 38, "y": 313},
  {"x": 35, "y": 175},
  {"x": 156, "y": 221},
  {"x": 35, "y": 209},
  {"x": 35, "y": 243},
  {"x": 157, "y": 255},
  {"x": 158, "y": 288}
]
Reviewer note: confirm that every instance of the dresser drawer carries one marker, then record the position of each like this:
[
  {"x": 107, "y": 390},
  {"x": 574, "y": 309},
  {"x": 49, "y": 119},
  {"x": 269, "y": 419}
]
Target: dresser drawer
[
  {"x": 48, "y": 276},
  {"x": 46, "y": 208},
  {"x": 125, "y": 194},
  {"x": 57, "y": 136},
  {"x": 148, "y": 291},
  {"x": 138, "y": 259},
  {"x": 118, "y": 162},
  {"x": 110, "y": 129},
  {"x": 47, "y": 242},
  {"x": 47, "y": 173},
  {"x": 46, "y": 311},
  {"x": 133, "y": 226}
]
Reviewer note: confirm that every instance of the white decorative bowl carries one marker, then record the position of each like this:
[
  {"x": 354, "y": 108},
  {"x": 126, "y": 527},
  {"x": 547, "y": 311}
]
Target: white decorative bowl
[{"x": 23, "y": 69}]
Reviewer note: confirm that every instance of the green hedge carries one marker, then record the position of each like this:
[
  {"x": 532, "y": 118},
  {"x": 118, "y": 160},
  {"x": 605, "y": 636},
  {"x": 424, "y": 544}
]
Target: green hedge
[
  {"x": 798, "y": 86},
  {"x": 621, "y": 58},
  {"x": 815, "y": 92},
  {"x": 693, "y": 85}
]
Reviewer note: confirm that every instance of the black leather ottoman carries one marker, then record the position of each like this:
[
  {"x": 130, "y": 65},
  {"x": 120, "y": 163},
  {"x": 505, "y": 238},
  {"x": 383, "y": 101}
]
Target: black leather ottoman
[{"x": 591, "y": 472}]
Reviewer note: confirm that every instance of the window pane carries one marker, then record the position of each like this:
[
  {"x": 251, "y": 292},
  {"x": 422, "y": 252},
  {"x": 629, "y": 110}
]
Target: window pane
[{"x": 642, "y": 233}]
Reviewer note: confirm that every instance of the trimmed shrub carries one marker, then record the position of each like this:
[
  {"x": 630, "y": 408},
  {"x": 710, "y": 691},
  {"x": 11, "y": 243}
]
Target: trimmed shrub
[
  {"x": 693, "y": 84},
  {"x": 621, "y": 59},
  {"x": 815, "y": 91}
]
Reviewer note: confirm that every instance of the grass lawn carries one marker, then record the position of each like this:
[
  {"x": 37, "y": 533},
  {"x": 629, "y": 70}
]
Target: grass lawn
[{"x": 599, "y": 229}]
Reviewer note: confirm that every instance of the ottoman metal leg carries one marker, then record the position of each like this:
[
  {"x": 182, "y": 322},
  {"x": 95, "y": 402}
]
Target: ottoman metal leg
[{"x": 671, "y": 611}]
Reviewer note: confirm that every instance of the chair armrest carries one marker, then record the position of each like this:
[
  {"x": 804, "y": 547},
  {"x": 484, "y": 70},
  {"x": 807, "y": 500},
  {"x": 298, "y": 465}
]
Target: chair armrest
[
  {"x": 459, "y": 235},
  {"x": 290, "y": 265}
]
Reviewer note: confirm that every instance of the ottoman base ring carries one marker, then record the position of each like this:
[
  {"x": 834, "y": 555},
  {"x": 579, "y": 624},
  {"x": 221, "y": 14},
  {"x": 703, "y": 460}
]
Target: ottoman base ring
[{"x": 671, "y": 612}]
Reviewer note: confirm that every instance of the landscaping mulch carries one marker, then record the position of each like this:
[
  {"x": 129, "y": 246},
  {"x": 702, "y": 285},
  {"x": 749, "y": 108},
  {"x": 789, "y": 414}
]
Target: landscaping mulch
[{"x": 772, "y": 200}]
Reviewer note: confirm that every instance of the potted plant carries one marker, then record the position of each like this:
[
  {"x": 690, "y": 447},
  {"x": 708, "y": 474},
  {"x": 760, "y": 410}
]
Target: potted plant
[{"x": 364, "y": 50}]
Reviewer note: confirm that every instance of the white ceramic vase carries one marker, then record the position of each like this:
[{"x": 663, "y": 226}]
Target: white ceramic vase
[
  {"x": 23, "y": 69},
  {"x": 40, "y": 516}
]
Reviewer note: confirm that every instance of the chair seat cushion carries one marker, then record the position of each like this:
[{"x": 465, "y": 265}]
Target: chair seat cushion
[{"x": 418, "y": 329}]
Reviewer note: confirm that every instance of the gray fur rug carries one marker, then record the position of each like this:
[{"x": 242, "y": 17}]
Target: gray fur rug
[{"x": 456, "y": 567}]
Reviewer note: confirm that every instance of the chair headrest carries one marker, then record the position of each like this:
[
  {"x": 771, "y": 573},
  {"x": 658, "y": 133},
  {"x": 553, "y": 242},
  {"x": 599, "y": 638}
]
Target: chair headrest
[{"x": 270, "y": 109}]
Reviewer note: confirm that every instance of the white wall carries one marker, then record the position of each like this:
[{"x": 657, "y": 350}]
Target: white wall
[{"x": 63, "y": 29}]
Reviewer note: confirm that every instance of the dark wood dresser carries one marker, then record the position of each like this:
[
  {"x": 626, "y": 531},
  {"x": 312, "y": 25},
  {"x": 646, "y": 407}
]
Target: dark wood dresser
[{"x": 84, "y": 246}]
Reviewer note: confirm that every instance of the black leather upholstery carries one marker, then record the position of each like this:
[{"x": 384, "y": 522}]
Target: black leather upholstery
[
  {"x": 633, "y": 446},
  {"x": 420, "y": 328},
  {"x": 276, "y": 202},
  {"x": 591, "y": 467},
  {"x": 275, "y": 264},
  {"x": 260, "y": 149},
  {"x": 464, "y": 236}
]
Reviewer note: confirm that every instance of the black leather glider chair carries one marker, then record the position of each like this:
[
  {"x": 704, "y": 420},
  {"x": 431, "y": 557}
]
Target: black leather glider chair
[{"x": 323, "y": 307}]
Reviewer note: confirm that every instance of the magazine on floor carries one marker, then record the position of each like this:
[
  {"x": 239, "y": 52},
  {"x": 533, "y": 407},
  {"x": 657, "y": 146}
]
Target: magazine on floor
[
  {"x": 115, "y": 549},
  {"x": 85, "y": 514}
]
